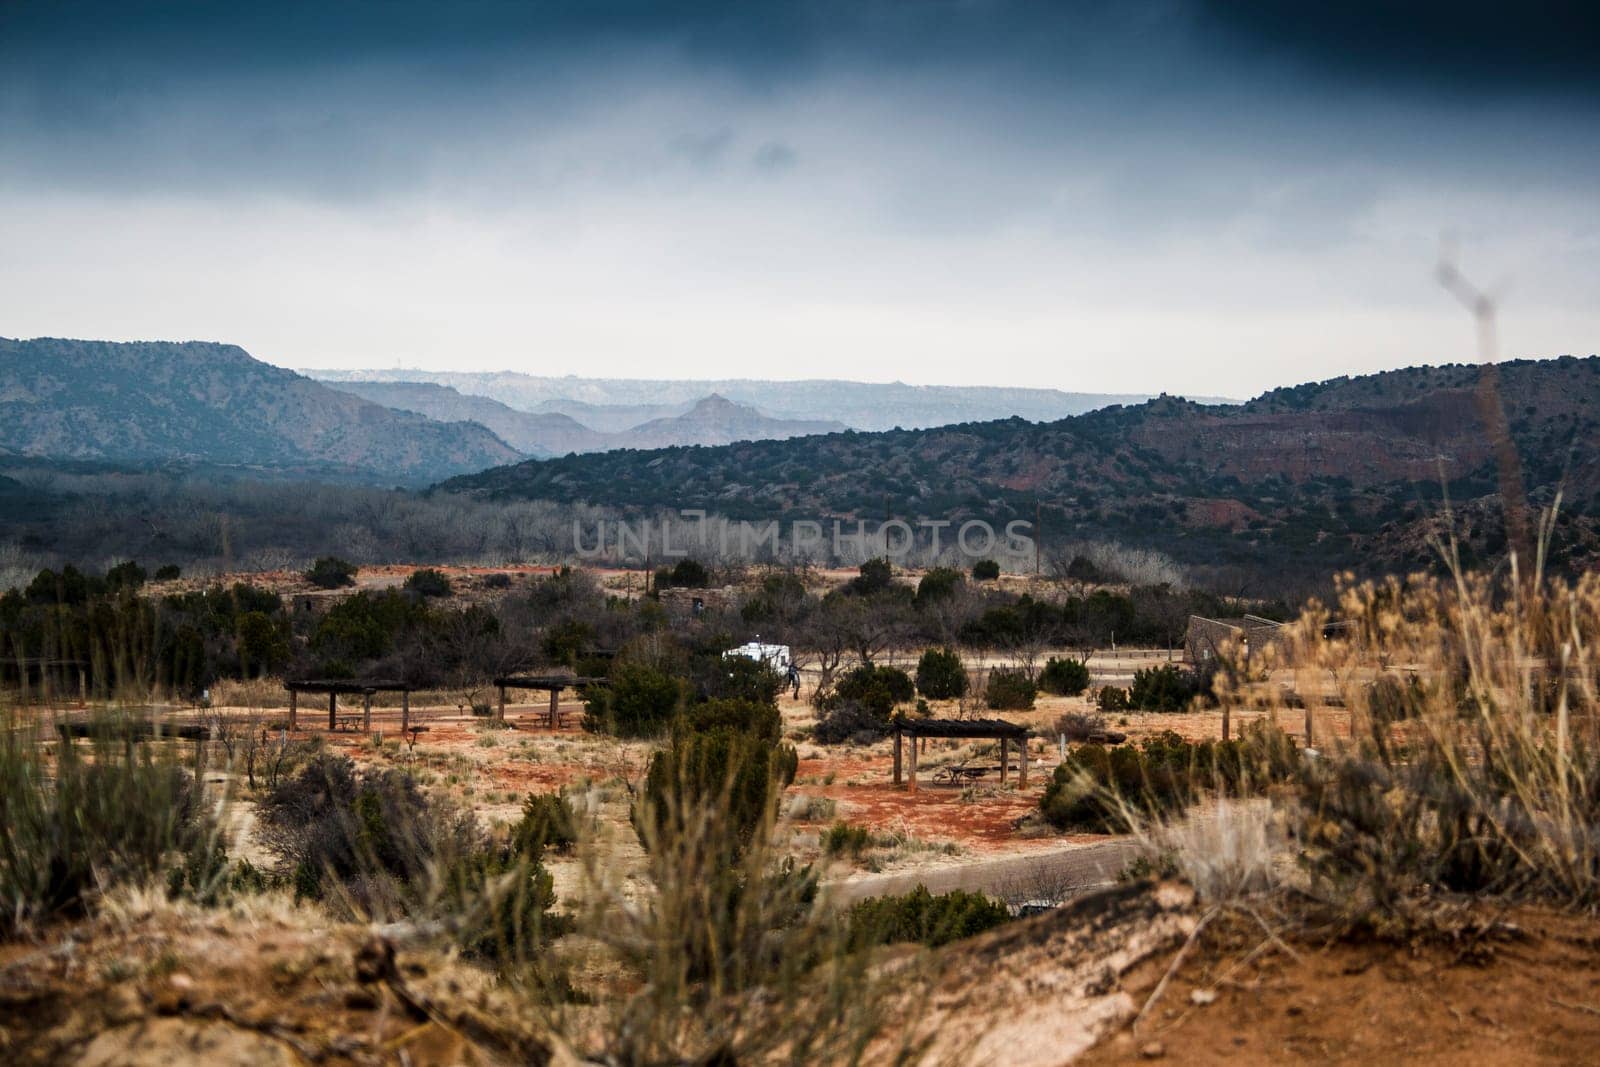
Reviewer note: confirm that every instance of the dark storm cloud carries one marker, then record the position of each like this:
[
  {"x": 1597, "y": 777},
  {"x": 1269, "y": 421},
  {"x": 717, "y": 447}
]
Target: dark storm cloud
[
  {"x": 1466, "y": 44},
  {"x": 876, "y": 177},
  {"x": 1467, "y": 47},
  {"x": 75, "y": 63}
]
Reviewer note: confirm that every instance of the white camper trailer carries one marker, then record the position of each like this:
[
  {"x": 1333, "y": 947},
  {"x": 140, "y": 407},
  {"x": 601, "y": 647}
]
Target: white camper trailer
[{"x": 774, "y": 656}]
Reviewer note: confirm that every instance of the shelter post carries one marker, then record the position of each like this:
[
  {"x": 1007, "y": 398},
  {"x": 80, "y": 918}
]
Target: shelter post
[
  {"x": 897, "y": 744},
  {"x": 294, "y": 707},
  {"x": 405, "y": 710},
  {"x": 1022, "y": 770},
  {"x": 555, "y": 706},
  {"x": 911, "y": 786},
  {"x": 366, "y": 710},
  {"x": 333, "y": 711},
  {"x": 500, "y": 714}
]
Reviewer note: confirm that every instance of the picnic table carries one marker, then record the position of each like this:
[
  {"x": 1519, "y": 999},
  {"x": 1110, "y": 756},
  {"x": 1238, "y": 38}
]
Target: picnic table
[
  {"x": 349, "y": 722},
  {"x": 958, "y": 773}
]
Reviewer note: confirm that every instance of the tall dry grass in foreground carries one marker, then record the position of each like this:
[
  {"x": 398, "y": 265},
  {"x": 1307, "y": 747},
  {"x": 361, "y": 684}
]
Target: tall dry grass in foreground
[
  {"x": 727, "y": 954},
  {"x": 77, "y": 818},
  {"x": 1472, "y": 764}
]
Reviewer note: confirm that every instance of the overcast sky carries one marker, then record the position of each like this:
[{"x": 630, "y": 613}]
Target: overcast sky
[{"x": 1125, "y": 196}]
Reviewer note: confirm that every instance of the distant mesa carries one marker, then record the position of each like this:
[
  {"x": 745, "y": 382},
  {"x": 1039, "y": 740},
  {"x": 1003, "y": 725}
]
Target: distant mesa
[{"x": 204, "y": 402}]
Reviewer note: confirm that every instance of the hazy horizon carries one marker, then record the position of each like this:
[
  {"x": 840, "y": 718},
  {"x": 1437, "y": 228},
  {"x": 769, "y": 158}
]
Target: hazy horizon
[{"x": 1195, "y": 198}]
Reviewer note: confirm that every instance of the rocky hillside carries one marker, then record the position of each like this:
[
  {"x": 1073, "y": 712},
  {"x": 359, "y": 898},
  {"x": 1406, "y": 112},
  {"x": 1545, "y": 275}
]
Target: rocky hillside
[
  {"x": 713, "y": 420},
  {"x": 1319, "y": 472},
  {"x": 160, "y": 401},
  {"x": 531, "y": 433},
  {"x": 716, "y": 420}
]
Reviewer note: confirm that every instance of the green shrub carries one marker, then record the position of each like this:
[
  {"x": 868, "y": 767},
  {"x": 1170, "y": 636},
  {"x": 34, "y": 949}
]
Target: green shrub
[
  {"x": 985, "y": 570},
  {"x": 940, "y": 583},
  {"x": 640, "y": 702},
  {"x": 1082, "y": 569},
  {"x": 846, "y": 839},
  {"x": 262, "y": 642},
  {"x": 737, "y": 677},
  {"x": 364, "y": 627},
  {"x": 1164, "y": 688},
  {"x": 547, "y": 822},
  {"x": 873, "y": 576},
  {"x": 698, "y": 769},
  {"x": 1010, "y": 691},
  {"x": 126, "y": 575},
  {"x": 760, "y": 720},
  {"x": 860, "y": 705},
  {"x": 1098, "y": 787},
  {"x": 331, "y": 572},
  {"x": 923, "y": 918},
  {"x": 501, "y": 900},
  {"x": 568, "y": 641},
  {"x": 686, "y": 574},
  {"x": 168, "y": 572},
  {"x": 1064, "y": 677},
  {"x": 1111, "y": 698},
  {"x": 940, "y": 674},
  {"x": 880, "y": 687},
  {"x": 429, "y": 583}
]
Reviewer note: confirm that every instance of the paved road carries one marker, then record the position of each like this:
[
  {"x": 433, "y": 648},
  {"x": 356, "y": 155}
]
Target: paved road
[{"x": 1051, "y": 875}]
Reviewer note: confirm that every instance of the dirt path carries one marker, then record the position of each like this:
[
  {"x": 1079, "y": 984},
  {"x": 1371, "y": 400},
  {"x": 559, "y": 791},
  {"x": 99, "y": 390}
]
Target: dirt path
[{"x": 1047, "y": 876}]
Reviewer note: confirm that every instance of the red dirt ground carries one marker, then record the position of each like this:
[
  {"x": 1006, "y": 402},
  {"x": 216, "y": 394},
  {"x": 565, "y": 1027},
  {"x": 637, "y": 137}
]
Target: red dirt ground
[{"x": 1534, "y": 999}]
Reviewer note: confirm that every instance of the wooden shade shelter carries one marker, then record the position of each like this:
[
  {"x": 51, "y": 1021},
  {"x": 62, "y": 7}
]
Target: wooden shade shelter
[
  {"x": 348, "y": 686},
  {"x": 551, "y": 683},
  {"x": 968, "y": 729},
  {"x": 45, "y": 667}
]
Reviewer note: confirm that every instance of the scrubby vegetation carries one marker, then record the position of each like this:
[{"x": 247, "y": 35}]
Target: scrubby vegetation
[
  {"x": 685, "y": 574},
  {"x": 428, "y": 582},
  {"x": 861, "y": 705},
  {"x": 1108, "y": 790},
  {"x": 548, "y": 821},
  {"x": 1495, "y": 788},
  {"x": 1111, "y": 698},
  {"x": 1010, "y": 691},
  {"x": 920, "y": 916},
  {"x": 371, "y": 844},
  {"x": 940, "y": 583},
  {"x": 1064, "y": 677},
  {"x": 1165, "y": 688},
  {"x": 640, "y": 702},
  {"x": 985, "y": 570},
  {"x": 79, "y": 821},
  {"x": 1472, "y": 770},
  {"x": 941, "y": 675},
  {"x": 331, "y": 572}
]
